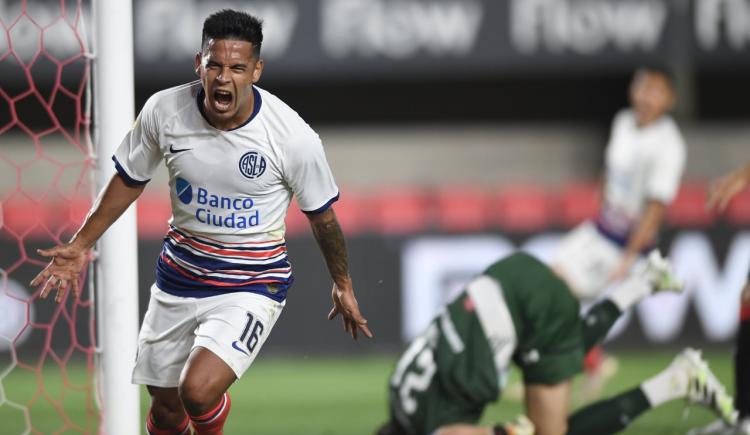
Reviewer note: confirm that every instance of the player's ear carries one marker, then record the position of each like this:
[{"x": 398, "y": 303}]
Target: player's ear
[
  {"x": 258, "y": 70},
  {"x": 671, "y": 102},
  {"x": 198, "y": 63}
]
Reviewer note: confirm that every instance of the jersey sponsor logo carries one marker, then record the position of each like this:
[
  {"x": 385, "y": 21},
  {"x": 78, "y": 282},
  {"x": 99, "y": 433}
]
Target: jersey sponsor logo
[
  {"x": 217, "y": 210},
  {"x": 184, "y": 190},
  {"x": 252, "y": 165},
  {"x": 174, "y": 151}
]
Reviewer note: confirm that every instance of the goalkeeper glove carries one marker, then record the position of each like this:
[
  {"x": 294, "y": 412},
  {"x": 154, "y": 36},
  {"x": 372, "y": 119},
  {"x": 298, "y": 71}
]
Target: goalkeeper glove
[{"x": 520, "y": 426}]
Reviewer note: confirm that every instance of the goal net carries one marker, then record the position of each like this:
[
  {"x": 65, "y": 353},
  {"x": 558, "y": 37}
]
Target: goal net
[{"x": 47, "y": 350}]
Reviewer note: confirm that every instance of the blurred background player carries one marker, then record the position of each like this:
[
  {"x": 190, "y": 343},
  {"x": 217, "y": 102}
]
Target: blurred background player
[
  {"x": 644, "y": 162},
  {"x": 236, "y": 155},
  {"x": 519, "y": 310},
  {"x": 723, "y": 191}
]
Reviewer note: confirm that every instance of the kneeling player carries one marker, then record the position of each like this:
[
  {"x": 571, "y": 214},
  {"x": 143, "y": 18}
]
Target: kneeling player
[{"x": 520, "y": 311}]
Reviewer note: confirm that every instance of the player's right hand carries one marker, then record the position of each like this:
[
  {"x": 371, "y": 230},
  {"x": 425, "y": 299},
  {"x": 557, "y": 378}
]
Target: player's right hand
[
  {"x": 725, "y": 188},
  {"x": 63, "y": 271},
  {"x": 520, "y": 426}
]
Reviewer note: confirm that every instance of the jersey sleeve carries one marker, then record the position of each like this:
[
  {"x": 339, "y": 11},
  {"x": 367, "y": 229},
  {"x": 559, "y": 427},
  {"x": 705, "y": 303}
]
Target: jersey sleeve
[
  {"x": 307, "y": 173},
  {"x": 139, "y": 153},
  {"x": 666, "y": 170}
]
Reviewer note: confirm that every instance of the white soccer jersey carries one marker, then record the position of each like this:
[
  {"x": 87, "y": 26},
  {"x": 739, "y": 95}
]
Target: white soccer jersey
[
  {"x": 230, "y": 190},
  {"x": 642, "y": 164}
]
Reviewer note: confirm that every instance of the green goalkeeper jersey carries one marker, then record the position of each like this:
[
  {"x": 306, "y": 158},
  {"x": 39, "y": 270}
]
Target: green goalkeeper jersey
[{"x": 516, "y": 311}]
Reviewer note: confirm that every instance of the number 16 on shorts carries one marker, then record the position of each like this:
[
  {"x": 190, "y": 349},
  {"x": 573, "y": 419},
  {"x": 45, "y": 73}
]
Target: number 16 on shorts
[{"x": 250, "y": 336}]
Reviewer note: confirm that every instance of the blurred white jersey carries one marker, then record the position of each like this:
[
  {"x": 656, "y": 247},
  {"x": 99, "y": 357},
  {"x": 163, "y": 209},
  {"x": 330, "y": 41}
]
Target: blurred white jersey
[
  {"x": 642, "y": 164},
  {"x": 229, "y": 190}
]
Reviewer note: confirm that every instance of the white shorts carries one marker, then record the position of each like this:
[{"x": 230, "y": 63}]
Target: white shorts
[
  {"x": 586, "y": 260},
  {"x": 233, "y": 326}
]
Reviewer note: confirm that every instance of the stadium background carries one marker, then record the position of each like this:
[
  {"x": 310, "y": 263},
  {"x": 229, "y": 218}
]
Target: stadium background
[{"x": 457, "y": 130}]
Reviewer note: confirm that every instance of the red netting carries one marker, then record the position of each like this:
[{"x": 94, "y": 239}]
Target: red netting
[{"x": 46, "y": 166}]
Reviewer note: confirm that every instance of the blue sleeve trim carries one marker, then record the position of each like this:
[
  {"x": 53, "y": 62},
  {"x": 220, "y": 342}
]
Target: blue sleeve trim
[
  {"x": 617, "y": 239},
  {"x": 325, "y": 206},
  {"x": 130, "y": 181}
]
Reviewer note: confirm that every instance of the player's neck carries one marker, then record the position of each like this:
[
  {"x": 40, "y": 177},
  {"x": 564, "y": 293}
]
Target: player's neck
[{"x": 648, "y": 122}]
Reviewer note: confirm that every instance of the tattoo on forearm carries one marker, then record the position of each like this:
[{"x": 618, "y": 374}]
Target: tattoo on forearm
[{"x": 331, "y": 241}]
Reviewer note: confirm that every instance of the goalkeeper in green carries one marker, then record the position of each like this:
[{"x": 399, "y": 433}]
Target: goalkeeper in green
[{"x": 519, "y": 311}]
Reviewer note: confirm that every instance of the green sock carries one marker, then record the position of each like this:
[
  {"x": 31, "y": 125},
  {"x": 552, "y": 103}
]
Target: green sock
[
  {"x": 609, "y": 416},
  {"x": 598, "y": 321}
]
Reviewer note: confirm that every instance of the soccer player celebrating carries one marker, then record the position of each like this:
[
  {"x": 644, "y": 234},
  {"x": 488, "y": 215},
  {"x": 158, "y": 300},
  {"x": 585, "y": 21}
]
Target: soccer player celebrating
[
  {"x": 723, "y": 191},
  {"x": 236, "y": 154},
  {"x": 644, "y": 162},
  {"x": 520, "y": 311}
]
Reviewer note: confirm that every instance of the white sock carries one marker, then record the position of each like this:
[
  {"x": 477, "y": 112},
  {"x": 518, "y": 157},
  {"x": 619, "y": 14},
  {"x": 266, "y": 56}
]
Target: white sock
[
  {"x": 668, "y": 385},
  {"x": 630, "y": 291}
]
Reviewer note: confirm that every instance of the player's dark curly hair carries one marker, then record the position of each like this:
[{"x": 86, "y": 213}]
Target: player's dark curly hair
[{"x": 235, "y": 25}]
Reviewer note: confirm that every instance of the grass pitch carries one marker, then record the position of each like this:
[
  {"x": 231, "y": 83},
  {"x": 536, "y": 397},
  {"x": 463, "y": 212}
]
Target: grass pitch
[{"x": 323, "y": 396}]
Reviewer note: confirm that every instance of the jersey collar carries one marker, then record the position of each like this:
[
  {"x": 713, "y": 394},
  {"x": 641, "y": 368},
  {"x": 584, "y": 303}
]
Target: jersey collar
[{"x": 256, "y": 108}]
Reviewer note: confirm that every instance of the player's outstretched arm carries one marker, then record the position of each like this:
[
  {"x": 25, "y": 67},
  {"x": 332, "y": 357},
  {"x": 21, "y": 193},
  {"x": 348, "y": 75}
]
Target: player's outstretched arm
[
  {"x": 726, "y": 187},
  {"x": 68, "y": 260},
  {"x": 643, "y": 235},
  {"x": 328, "y": 234}
]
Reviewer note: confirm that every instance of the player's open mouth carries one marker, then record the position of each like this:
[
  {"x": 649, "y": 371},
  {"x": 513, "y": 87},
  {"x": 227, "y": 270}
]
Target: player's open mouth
[{"x": 222, "y": 99}]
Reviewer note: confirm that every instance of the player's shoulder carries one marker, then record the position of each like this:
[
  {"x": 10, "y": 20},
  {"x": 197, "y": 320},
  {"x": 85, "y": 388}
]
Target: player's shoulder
[
  {"x": 670, "y": 132},
  {"x": 668, "y": 124},
  {"x": 624, "y": 118},
  {"x": 171, "y": 101},
  {"x": 285, "y": 123}
]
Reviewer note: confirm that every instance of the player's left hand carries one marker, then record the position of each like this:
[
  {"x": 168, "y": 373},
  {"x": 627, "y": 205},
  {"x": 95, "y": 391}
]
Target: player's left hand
[{"x": 345, "y": 303}]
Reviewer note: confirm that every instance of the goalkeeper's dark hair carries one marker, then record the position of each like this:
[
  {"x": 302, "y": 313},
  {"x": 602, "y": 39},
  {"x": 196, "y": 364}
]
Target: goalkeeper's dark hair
[{"x": 235, "y": 25}]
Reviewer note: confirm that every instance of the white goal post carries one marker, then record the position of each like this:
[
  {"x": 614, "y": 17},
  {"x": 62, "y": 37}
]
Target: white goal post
[{"x": 117, "y": 273}]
